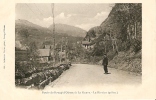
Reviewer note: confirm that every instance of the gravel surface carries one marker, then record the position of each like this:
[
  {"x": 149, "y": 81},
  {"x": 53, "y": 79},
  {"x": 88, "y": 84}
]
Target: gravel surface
[{"x": 84, "y": 74}]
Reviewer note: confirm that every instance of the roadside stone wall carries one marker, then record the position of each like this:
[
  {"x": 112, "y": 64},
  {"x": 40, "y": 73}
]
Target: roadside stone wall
[{"x": 38, "y": 79}]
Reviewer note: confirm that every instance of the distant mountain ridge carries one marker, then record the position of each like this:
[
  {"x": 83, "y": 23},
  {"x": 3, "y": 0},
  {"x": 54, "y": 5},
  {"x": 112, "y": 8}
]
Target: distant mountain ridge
[
  {"x": 69, "y": 30},
  {"x": 59, "y": 28},
  {"x": 26, "y": 23},
  {"x": 27, "y": 32}
]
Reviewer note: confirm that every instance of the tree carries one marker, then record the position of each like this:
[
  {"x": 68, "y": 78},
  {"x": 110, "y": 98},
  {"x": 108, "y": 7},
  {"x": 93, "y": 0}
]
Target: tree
[
  {"x": 25, "y": 34},
  {"x": 33, "y": 54}
]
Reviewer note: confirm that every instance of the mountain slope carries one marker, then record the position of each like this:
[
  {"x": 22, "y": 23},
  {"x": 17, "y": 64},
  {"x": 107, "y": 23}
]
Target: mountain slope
[
  {"x": 69, "y": 30},
  {"x": 120, "y": 36},
  {"x": 27, "y": 32},
  {"x": 124, "y": 24}
]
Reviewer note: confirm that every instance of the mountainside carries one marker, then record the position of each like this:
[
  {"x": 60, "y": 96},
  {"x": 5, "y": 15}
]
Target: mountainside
[
  {"x": 120, "y": 34},
  {"x": 123, "y": 24},
  {"x": 27, "y": 32},
  {"x": 69, "y": 30},
  {"x": 27, "y": 23}
]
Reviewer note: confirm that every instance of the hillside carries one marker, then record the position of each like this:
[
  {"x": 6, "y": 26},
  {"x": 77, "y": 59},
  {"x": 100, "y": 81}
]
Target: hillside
[
  {"x": 27, "y": 32},
  {"x": 124, "y": 21},
  {"x": 27, "y": 23},
  {"x": 69, "y": 30},
  {"x": 120, "y": 36}
]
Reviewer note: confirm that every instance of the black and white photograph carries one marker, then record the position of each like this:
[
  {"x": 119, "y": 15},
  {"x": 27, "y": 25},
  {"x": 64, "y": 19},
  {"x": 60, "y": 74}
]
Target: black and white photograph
[
  {"x": 77, "y": 50},
  {"x": 77, "y": 44}
]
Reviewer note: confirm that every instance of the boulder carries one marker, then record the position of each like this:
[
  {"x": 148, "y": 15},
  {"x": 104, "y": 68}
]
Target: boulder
[
  {"x": 19, "y": 75},
  {"x": 17, "y": 82},
  {"x": 36, "y": 79},
  {"x": 47, "y": 73},
  {"x": 42, "y": 76},
  {"x": 27, "y": 81}
]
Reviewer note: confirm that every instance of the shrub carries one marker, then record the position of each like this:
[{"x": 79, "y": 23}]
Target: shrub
[{"x": 136, "y": 45}]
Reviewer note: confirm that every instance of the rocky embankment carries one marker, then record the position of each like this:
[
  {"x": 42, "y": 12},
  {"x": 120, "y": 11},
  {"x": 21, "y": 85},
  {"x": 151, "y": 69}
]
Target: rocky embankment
[
  {"x": 38, "y": 79},
  {"x": 127, "y": 61}
]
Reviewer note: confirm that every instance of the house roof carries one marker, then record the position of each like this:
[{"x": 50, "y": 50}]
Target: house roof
[
  {"x": 48, "y": 46},
  {"x": 18, "y": 44},
  {"x": 62, "y": 53},
  {"x": 24, "y": 48},
  {"x": 85, "y": 42},
  {"x": 44, "y": 52}
]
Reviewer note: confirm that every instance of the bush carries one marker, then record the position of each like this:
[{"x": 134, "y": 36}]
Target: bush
[
  {"x": 125, "y": 45},
  {"x": 96, "y": 59},
  {"x": 136, "y": 45},
  {"x": 111, "y": 54}
]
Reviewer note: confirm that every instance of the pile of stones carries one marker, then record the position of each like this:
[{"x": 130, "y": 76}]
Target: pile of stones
[{"x": 38, "y": 79}]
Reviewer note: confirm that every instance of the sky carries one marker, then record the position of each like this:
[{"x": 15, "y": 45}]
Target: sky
[{"x": 82, "y": 15}]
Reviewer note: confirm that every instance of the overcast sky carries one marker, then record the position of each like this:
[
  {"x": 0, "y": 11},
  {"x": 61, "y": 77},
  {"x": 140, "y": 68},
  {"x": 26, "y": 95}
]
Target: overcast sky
[{"x": 80, "y": 15}]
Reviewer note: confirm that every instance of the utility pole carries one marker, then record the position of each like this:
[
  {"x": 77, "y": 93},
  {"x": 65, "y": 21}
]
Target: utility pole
[
  {"x": 135, "y": 29},
  {"x": 61, "y": 51},
  {"x": 52, "y": 6},
  {"x": 66, "y": 51},
  {"x": 116, "y": 47},
  {"x": 105, "y": 43}
]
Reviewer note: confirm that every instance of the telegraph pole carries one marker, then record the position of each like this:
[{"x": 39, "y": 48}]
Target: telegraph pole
[
  {"x": 105, "y": 43},
  {"x": 66, "y": 51},
  {"x": 52, "y": 6},
  {"x": 61, "y": 51}
]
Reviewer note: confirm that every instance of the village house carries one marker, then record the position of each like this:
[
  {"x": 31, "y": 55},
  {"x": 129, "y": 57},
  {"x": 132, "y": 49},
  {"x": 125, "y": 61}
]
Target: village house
[
  {"x": 48, "y": 47},
  {"x": 21, "y": 54},
  {"x": 44, "y": 55},
  {"x": 87, "y": 44}
]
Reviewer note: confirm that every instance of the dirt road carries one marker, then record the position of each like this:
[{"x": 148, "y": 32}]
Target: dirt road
[{"x": 84, "y": 74}]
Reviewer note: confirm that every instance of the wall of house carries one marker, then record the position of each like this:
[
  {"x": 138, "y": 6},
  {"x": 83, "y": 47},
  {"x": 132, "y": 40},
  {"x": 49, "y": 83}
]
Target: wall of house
[
  {"x": 44, "y": 59},
  {"x": 21, "y": 55}
]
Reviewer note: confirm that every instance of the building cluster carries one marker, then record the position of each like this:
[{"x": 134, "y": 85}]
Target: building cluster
[{"x": 45, "y": 54}]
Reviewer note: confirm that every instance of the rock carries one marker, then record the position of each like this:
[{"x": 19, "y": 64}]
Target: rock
[
  {"x": 36, "y": 79},
  {"x": 19, "y": 75},
  {"x": 27, "y": 81},
  {"x": 42, "y": 76},
  {"x": 48, "y": 74},
  {"x": 53, "y": 73},
  {"x": 17, "y": 82}
]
